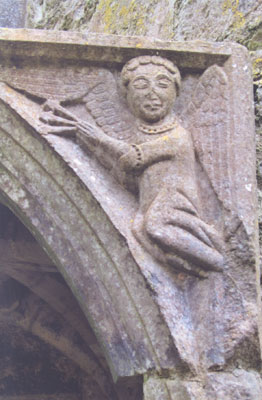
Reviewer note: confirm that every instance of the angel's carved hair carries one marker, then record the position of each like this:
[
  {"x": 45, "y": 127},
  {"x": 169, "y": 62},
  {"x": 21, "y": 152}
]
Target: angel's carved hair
[{"x": 134, "y": 63}]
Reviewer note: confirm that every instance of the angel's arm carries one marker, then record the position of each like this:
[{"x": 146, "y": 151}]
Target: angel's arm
[
  {"x": 164, "y": 148},
  {"x": 106, "y": 149},
  {"x": 60, "y": 121}
]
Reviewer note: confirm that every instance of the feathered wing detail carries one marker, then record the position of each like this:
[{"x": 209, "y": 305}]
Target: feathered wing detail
[
  {"x": 108, "y": 108},
  {"x": 96, "y": 87},
  {"x": 52, "y": 83},
  {"x": 209, "y": 125}
]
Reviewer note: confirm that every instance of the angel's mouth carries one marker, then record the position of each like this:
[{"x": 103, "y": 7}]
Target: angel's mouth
[{"x": 153, "y": 107}]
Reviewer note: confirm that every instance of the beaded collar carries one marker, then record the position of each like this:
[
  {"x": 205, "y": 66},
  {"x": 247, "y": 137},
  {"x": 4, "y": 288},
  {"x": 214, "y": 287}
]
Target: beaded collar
[{"x": 153, "y": 130}]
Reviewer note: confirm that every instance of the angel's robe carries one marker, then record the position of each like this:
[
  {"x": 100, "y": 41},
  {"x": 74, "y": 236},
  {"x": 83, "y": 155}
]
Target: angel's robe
[{"x": 162, "y": 168}]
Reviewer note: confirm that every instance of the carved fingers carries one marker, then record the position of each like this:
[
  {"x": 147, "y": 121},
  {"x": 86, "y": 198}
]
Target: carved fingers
[
  {"x": 89, "y": 135},
  {"x": 88, "y": 129},
  {"x": 57, "y": 120}
]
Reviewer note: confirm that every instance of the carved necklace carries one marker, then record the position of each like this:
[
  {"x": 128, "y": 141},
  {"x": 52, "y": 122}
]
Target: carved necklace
[{"x": 150, "y": 130}]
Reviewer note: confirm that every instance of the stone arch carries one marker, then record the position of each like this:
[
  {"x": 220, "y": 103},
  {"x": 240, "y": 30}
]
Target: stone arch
[
  {"x": 44, "y": 333},
  {"x": 41, "y": 188}
]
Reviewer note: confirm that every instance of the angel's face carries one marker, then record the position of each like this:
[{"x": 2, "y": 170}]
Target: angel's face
[{"x": 151, "y": 92}]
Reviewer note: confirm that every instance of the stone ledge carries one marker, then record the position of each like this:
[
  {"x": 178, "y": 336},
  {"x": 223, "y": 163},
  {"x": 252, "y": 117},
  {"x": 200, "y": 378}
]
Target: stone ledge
[{"x": 110, "y": 48}]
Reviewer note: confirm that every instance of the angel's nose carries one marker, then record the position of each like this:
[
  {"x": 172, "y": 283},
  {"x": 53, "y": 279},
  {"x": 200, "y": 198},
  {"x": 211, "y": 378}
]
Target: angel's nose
[{"x": 152, "y": 95}]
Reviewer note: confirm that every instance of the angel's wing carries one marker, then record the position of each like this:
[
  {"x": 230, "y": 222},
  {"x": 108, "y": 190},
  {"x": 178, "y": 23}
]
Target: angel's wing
[
  {"x": 209, "y": 124},
  {"x": 96, "y": 87},
  {"x": 109, "y": 110},
  {"x": 50, "y": 83}
]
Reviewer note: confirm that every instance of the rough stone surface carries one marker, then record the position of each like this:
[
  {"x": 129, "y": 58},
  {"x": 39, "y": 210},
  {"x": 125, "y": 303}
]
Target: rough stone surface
[
  {"x": 66, "y": 15},
  {"x": 181, "y": 20},
  {"x": 145, "y": 315},
  {"x": 12, "y": 13},
  {"x": 248, "y": 387}
]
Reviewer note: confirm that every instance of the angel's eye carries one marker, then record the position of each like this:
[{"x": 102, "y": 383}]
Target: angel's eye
[
  {"x": 163, "y": 82},
  {"x": 140, "y": 83}
]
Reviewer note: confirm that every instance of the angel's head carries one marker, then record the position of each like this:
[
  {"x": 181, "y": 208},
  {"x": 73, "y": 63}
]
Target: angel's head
[{"x": 152, "y": 84}]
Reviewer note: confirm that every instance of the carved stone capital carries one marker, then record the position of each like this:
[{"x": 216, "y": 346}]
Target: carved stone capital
[{"x": 141, "y": 188}]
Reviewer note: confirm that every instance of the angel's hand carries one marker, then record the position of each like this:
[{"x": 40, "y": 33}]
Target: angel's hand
[
  {"x": 57, "y": 120},
  {"x": 109, "y": 149},
  {"x": 89, "y": 133}
]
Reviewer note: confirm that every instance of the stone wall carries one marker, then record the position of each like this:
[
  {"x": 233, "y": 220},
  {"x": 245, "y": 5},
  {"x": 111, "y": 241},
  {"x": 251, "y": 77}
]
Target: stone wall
[{"x": 12, "y": 14}]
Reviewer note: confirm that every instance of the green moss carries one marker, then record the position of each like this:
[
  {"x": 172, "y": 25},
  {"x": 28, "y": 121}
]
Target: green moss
[
  {"x": 119, "y": 17},
  {"x": 255, "y": 42},
  {"x": 239, "y": 18},
  {"x": 257, "y": 71}
]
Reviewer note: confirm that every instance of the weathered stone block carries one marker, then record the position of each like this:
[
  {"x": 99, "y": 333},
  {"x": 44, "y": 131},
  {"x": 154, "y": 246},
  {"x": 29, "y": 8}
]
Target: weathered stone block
[{"x": 162, "y": 192}]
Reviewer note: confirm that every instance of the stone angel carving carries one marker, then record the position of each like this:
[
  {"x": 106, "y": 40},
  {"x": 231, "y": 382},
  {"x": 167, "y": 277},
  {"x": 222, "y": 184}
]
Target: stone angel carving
[
  {"x": 136, "y": 134},
  {"x": 152, "y": 155}
]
